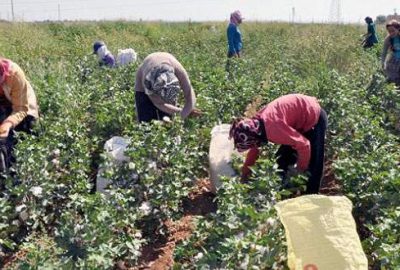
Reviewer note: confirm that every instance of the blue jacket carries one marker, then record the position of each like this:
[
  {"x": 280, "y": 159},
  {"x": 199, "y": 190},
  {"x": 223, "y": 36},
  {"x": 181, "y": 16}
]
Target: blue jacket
[
  {"x": 234, "y": 39},
  {"x": 372, "y": 33}
]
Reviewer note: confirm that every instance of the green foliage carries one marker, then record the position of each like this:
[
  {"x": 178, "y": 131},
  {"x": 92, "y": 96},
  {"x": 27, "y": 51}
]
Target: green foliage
[{"x": 55, "y": 220}]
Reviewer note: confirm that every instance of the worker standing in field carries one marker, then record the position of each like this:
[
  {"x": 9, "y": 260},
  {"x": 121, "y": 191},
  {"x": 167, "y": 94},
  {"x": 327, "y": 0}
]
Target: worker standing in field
[
  {"x": 18, "y": 105},
  {"x": 370, "y": 38},
  {"x": 295, "y": 121},
  {"x": 234, "y": 35},
  {"x": 391, "y": 66},
  {"x": 159, "y": 80}
]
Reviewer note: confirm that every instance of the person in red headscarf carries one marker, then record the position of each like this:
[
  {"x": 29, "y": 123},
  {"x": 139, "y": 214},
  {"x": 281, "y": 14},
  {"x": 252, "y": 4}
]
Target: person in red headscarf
[{"x": 295, "y": 121}]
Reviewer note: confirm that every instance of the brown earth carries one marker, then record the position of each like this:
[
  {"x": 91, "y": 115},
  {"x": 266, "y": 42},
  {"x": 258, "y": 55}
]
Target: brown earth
[
  {"x": 159, "y": 256},
  {"x": 330, "y": 185}
]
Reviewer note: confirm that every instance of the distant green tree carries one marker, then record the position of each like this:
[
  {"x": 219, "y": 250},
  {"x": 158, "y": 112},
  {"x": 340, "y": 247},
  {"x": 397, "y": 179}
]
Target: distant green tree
[{"x": 380, "y": 19}]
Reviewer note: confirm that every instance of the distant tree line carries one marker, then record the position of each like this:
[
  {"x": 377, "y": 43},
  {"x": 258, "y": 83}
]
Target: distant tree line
[{"x": 382, "y": 19}]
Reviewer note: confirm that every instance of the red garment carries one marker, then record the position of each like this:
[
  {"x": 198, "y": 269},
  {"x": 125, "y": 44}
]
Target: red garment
[
  {"x": 4, "y": 69},
  {"x": 285, "y": 120}
]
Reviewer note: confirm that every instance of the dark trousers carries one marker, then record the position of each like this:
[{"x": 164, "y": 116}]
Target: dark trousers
[
  {"x": 287, "y": 156},
  {"x": 145, "y": 109}
]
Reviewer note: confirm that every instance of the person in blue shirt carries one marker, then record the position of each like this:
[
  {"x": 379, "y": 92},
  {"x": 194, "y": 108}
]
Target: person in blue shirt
[
  {"x": 370, "y": 38},
  {"x": 234, "y": 36},
  {"x": 391, "y": 62}
]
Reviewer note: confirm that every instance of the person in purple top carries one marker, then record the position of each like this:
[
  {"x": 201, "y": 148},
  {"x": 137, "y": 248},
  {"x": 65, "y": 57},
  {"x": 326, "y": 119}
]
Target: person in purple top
[{"x": 105, "y": 56}]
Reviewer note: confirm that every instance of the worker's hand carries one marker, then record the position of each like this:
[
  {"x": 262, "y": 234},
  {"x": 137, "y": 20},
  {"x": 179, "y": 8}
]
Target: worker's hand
[
  {"x": 5, "y": 129},
  {"x": 196, "y": 113}
]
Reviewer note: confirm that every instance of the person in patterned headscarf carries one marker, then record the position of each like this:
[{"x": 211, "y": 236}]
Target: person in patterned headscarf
[
  {"x": 295, "y": 121},
  {"x": 159, "y": 80}
]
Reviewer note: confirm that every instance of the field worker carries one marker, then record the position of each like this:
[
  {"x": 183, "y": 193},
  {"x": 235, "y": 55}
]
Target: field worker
[
  {"x": 370, "y": 37},
  {"x": 295, "y": 121},
  {"x": 391, "y": 66},
  {"x": 18, "y": 105},
  {"x": 234, "y": 35},
  {"x": 104, "y": 55},
  {"x": 159, "y": 79}
]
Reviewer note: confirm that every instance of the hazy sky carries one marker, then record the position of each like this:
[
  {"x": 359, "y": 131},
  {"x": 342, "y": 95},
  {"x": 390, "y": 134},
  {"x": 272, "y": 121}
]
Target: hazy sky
[{"x": 196, "y": 10}]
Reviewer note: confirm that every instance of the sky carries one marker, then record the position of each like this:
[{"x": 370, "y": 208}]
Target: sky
[{"x": 350, "y": 11}]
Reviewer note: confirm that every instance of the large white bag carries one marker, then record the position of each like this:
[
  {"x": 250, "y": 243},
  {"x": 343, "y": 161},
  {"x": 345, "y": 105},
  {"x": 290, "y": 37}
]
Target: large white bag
[
  {"x": 220, "y": 155},
  {"x": 114, "y": 148},
  {"x": 126, "y": 56}
]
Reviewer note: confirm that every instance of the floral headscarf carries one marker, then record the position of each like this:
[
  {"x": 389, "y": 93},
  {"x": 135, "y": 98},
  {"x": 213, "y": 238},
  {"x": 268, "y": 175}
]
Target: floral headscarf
[
  {"x": 162, "y": 81},
  {"x": 246, "y": 133}
]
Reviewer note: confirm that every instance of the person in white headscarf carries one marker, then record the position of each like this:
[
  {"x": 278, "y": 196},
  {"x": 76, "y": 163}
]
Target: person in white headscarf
[{"x": 106, "y": 58}]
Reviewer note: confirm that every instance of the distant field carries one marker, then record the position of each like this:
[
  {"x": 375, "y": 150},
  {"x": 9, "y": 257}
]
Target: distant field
[{"x": 166, "y": 211}]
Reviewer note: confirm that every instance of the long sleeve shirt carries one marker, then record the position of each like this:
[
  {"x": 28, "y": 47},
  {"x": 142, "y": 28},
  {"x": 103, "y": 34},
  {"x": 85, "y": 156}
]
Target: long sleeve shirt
[
  {"x": 17, "y": 89},
  {"x": 392, "y": 43},
  {"x": 372, "y": 37},
  {"x": 234, "y": 39},
  {"x": 286, "y": 119},
  {"x": 156, "y": 59}
]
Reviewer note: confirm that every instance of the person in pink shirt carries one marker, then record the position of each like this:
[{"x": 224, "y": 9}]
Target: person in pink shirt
[{"x": 295, "y": 121}]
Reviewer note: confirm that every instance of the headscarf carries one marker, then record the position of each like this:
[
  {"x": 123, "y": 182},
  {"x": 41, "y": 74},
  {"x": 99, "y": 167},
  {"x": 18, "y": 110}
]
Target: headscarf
[
  {"x": 394, "y": 23},
  {"x": 246, "y": 133},
  {"x": 97, "y": 45},
  {"x": 4, "y": 69},
  {"x": 162, "y": 81},
  {"x": 236, "y": 17},
  {"x": 368, "y": 20}
]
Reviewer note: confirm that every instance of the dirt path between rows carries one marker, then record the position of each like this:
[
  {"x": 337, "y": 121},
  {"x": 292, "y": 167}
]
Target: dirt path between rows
[{"x": 159, "y": 256}]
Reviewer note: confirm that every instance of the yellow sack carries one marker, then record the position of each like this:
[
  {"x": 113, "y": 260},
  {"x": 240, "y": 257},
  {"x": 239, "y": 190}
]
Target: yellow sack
[{"x": 321, "y": 233}]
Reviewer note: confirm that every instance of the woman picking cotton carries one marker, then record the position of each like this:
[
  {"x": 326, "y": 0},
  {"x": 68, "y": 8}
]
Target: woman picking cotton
[
  {"x": 18, "y": 105},
  {"x": 370, "y": 37},
  {"x": 234, "y": 35},
  {"x": 106, "y": 58},
  {"x": 296, "y": 122},
  {"x": 391, "y": 43},
  {"x": 159, "y": 80}
]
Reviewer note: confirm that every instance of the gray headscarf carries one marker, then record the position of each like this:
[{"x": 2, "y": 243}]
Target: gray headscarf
[{"x": 161, "y": 80}]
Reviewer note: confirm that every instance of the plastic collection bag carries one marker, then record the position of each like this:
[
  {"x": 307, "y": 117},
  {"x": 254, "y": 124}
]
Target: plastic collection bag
[
  {"x": 114, "y": 148},
  {"x": 321, "y": 233},
  {"x": 220, "y": 155},
  {"x": 126, "y": 56}
]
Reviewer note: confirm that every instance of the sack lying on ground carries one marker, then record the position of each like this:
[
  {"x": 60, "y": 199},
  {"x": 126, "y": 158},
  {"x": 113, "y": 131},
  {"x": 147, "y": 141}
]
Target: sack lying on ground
[
  {"x": 126, "y": 56},
  {"x": 114, "y": 148},
  {"x": 321, "y": 233},
  {"x": 220, "y": 155}
]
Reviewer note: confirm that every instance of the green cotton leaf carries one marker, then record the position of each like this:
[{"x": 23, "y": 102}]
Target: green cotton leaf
[{"x": 7, "y": 243}]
